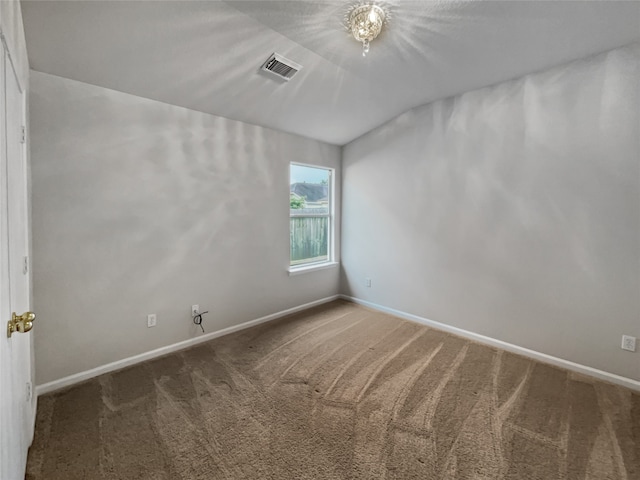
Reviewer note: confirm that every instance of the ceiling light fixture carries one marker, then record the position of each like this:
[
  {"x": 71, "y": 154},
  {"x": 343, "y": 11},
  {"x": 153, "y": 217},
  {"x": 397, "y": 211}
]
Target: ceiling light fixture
[{"x": 365, "y": 22}]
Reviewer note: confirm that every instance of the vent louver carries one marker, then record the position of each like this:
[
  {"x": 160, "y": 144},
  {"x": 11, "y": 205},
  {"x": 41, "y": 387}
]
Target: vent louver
[{"x": 281, "y": 67}]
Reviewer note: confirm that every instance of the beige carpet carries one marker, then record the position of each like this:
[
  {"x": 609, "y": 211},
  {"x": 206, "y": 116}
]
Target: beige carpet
[{"x": 339, "y": 392}]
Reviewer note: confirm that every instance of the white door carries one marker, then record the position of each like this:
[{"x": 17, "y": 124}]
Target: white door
[{"x": 17, "y": 405}]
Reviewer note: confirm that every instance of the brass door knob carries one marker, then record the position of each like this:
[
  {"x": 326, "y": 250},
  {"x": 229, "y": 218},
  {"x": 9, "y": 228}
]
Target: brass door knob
[{"x": 20, "y": 323}]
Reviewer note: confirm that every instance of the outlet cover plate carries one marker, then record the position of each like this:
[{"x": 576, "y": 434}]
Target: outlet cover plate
[
  {"x": 195, "y": 310},
  {"x": 629, "y": 343},
  {"x": 151, "y": 320}
]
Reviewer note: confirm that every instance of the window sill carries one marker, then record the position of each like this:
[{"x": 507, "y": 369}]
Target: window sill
[{"x": 311, "y": 268}]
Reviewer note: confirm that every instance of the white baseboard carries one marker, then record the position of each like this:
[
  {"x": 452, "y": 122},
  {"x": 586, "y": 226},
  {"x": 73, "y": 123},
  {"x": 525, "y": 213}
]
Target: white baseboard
[
  {"x": 125, "y": 362},
  {"x": 543, "y": 357}
]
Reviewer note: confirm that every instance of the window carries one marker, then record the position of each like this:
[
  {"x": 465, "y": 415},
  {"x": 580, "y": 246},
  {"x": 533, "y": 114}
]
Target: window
[{"x": 311, "y": 215}]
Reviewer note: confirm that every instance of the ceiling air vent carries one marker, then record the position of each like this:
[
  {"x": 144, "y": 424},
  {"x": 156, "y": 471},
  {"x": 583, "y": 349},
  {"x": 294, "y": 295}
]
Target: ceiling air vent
[{"x": 281, "y": 67}]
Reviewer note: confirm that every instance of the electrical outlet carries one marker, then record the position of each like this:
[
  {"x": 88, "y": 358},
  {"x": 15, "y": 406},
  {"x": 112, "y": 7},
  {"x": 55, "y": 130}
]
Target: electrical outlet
[
  {"x": 628, "y": 343},
  {"x": 29, "y": 391},
  {"x": 195, "y": 310},
  {"x": 151, "y": 320},
  {"x": 367, "y": 282}
]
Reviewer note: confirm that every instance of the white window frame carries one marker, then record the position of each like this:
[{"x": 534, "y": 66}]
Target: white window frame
[{"x": 330, "y": 261}]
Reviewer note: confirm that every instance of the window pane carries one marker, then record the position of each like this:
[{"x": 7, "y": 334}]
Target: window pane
[
  {"x": 309, "y": 189},
  {"x": 309, "y": 239},
  {"x": 310, "y": 208}
]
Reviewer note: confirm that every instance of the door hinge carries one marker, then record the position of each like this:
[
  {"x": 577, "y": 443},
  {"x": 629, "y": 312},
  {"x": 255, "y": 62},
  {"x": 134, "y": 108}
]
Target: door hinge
[
  {"x": 25, "y": 266},
  {"x": 23, "y": 135}
]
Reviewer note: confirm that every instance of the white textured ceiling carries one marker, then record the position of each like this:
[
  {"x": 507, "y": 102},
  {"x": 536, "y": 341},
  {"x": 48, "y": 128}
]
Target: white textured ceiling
[{"x": 205, "y": 55}]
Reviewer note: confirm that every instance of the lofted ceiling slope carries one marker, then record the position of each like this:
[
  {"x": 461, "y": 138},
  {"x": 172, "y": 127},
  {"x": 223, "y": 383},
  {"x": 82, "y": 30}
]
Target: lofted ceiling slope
[{"x": 205, "y": 55}]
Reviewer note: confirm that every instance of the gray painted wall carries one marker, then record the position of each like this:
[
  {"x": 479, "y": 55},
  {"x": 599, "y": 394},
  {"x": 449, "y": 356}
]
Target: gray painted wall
[
  {"x": 511, "y": 211},
  {"x": 141, "y": 207}
]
